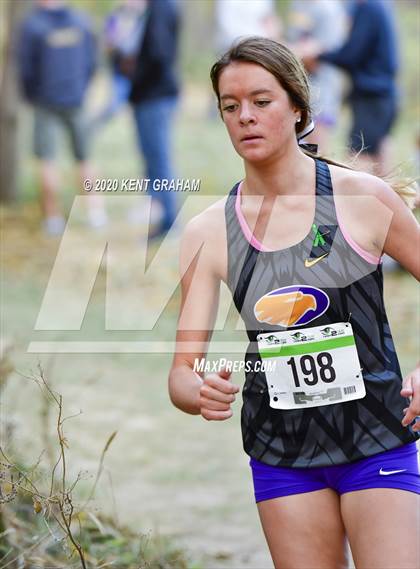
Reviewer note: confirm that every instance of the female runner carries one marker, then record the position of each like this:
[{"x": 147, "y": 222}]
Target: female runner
[{"x": 331, "y": 431}]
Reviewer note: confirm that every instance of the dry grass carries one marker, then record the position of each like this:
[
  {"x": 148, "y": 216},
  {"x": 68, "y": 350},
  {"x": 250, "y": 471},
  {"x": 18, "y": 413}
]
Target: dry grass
[{"x": 42, "y": 524}]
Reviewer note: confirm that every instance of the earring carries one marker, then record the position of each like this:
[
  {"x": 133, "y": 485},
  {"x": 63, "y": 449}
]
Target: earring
[{"x": 298, "y": 119}]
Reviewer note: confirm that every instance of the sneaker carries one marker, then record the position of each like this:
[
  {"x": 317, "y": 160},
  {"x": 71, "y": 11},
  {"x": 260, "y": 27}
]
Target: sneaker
[
  {"x": 141, "y": 216},
  {"x": 97, "y": 218},
  {"x": 54, "y": 225}
]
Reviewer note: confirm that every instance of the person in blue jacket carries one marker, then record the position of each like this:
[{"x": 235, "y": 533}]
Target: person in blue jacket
[
  {"x": 370, "y": 58},
  {"x": 56, "y": 60}
]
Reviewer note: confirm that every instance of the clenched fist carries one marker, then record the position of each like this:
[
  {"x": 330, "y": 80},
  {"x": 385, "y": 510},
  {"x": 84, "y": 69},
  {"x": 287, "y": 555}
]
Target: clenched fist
[{"x": 216, "y": 396}]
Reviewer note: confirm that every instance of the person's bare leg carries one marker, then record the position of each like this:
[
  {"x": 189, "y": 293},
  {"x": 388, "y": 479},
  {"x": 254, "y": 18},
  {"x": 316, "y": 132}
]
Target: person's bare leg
[
  {"x": 305, "y": 531},
  {"x": 49, "y": 188},
  {"x": 54, "y": 222},
  {"x": 383, "y": 527},
  {"x": 95, "y": 202}
]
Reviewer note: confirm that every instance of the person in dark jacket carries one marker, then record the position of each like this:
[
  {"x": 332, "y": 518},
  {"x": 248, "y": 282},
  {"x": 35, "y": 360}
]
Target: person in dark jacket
[
  {"x": 154, "y": 96},
  {"x": 370, "y": 57},
  {"x": 56, "y": 61}
]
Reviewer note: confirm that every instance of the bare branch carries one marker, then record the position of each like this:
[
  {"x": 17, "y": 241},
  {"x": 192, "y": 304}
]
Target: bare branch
[{"x": 100, "y": 467}]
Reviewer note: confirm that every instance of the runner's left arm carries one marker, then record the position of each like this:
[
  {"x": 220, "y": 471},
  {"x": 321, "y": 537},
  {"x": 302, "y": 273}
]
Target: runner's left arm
[
  {"x": 402, "y": 243},
  {"x": 402, "y": 238}
]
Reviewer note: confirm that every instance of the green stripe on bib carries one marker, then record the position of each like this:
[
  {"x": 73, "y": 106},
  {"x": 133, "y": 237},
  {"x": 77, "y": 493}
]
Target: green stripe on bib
[{"x": 302, "y": 349}]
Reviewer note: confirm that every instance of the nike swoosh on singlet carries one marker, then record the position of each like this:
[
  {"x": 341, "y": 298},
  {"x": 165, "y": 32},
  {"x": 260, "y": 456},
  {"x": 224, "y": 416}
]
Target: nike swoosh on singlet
[
  {"x": 311, "y": 262},
  {"x": 387, "y": 472}
]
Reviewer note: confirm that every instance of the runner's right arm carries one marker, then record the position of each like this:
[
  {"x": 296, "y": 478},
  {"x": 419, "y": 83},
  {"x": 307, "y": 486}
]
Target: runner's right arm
[{"x": 212, "y": 394}]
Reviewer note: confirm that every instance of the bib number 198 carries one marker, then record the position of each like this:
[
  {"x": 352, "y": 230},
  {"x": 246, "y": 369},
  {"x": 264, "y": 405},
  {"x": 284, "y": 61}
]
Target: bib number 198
[{"x": 311, "y": 368}]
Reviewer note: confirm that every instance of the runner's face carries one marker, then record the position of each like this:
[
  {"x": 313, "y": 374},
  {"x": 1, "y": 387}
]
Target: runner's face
[{"x": 257, "y": 112}]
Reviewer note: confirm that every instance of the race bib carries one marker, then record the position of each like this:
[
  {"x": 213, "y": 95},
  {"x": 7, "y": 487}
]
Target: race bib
[{"x": 311, "y": 367}]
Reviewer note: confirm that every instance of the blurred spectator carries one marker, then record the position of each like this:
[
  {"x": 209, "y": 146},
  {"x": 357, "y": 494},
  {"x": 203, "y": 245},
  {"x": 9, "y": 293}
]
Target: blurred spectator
[
  {"x": 154, "y": 96},
  {"x": 239, "y": 18},
  {"x": 324, "y": 21},
  {"x": 235, "y": 19},
  {"x": 56, "y": 60},
  {"x": 370, "y": 57},
  {"x": 124, "y": 29}
]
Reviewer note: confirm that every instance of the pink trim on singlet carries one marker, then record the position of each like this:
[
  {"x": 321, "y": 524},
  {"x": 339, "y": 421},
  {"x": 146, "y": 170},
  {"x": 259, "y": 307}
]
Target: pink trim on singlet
[
  {"x": 255, "y": 243},
  {"x": 364, "y": 254},
  {"x": 244, "y": 226}
]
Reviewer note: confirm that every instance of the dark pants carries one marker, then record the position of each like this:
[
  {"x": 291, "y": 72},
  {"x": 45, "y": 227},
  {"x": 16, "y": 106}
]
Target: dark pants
[
  {"x": 154, "y": 119},
  {"x": 373, "y": 118}
]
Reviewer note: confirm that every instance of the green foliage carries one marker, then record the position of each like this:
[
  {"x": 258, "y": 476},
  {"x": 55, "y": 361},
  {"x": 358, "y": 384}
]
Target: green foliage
[
  {"x": 97, "y": 8},
  {"x": 282, "y": 7}
]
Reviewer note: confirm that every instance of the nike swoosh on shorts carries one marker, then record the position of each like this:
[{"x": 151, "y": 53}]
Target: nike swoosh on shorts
[{"x": 387, "y": 472}]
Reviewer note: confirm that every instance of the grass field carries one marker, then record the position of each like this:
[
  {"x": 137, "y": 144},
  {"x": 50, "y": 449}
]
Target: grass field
[{"x": 169, "y": 471}]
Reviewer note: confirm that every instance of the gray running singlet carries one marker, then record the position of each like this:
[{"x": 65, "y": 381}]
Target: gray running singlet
[{"x": 329, "y": 267}]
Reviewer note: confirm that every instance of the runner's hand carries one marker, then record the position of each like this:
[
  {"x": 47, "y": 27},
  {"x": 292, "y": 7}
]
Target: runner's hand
[
  {"x": 411, "y": 389},
  {"x": 216, "y": 395}
]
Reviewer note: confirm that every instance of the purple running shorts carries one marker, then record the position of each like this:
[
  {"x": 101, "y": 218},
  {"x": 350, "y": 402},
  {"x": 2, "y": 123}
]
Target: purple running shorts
[{"x": 396, "y": 468}]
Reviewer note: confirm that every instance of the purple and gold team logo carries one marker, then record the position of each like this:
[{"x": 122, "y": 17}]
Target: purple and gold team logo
[{"x": 291, "y": 306}]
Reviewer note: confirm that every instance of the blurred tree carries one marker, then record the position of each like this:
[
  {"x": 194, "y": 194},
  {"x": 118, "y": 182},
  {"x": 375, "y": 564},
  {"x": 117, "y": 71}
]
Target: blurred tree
[{"x": 11, "y": 12}]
